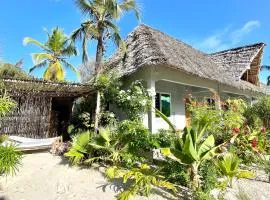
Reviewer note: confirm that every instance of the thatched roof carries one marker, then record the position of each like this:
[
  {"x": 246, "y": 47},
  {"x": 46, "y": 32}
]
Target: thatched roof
[
  {"x": 238, "y": 60},
  {"x": 46, "y": 88},
  {"x": 150, "y": 47}
]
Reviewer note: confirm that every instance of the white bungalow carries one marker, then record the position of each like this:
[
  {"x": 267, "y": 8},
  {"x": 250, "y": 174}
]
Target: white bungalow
[{"x": 172, "y": 69}]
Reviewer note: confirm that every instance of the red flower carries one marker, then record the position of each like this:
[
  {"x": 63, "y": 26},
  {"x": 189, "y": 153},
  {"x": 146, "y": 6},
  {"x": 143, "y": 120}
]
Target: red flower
[
  {"x": 254, "y": 143},
  {"x": 236, "y": 130},
  {"x": 263, "y": 130}
]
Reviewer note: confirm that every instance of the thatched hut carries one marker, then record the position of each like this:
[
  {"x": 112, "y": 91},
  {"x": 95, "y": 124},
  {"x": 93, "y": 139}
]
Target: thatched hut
[
  {"x": 173, "y": 69},
  {"x": 43, "y": 107}
]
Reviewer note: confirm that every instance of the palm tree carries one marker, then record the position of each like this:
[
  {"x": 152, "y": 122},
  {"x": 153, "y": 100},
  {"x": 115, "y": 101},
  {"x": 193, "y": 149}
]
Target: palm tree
[
  {"x": 101, "y": 26},
  {"x": 266, "y": 67},
  {"x": 54, "y": 56}
]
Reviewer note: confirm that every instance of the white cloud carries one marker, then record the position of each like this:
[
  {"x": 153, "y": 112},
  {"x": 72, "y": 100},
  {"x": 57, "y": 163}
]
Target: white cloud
[
  {"x": 238, "y": 34},
  {"x": 226, "y": 38}
]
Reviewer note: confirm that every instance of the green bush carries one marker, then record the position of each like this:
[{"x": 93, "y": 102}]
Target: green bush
[
  {"x": 175, "y": 172},
  {"x": 133, "y": 101},
  {"x": 10, "y": 156},
  {"x": 262, "y": 110},
  {"x": 163, "y": 138},
  {"x": 10, "y": 159},
  {"x": 209, "y": 174},
  {"x": 135, "y": 135}
]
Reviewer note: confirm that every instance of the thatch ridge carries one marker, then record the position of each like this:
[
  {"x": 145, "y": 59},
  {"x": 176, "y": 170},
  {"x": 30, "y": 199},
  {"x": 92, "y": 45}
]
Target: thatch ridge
[{"x": 238, "y": 60}]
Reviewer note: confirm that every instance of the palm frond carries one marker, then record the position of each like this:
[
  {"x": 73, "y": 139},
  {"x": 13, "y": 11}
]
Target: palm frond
[
  {"x": 77, "y": 34},
  {"x": 70, "y": 50},
  {"x": 84, "y": 6},
  {"x": 130, "y": 5},
  {"x": 265, "y": 67},
  {"x": 39, "y": 65},
  {"x": 70, "y": 66},
  {"x": 28, "y": 40},
  {"x": 84, "y": 47},
  {"x": 40, "y": 57}
]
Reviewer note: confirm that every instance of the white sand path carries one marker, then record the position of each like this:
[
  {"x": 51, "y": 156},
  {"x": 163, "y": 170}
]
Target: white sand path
[{"x": 46, "y": 177}]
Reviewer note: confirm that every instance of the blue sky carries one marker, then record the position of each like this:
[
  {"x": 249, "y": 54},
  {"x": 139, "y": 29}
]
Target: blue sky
[{"x": 209, "y": 25}]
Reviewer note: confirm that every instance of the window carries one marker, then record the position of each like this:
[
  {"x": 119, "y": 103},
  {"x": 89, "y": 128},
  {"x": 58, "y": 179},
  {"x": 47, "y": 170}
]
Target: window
[
  {"x": 211, "y": 102},
  {"x": 163, "y": 103}
]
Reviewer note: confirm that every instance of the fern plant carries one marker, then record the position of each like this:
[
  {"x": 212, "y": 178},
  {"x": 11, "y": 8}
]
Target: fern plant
[
  {"x": 142, "y": 179},
  {"x": 228, "y": 166}
]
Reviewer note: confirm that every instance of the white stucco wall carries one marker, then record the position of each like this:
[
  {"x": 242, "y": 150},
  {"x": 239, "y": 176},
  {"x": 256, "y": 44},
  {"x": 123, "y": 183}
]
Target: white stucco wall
[{"x": 178, "y": 84}]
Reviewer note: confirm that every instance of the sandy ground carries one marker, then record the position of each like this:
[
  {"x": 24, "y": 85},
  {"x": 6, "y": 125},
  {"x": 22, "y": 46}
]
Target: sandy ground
[{"x": 46, "y": 177}]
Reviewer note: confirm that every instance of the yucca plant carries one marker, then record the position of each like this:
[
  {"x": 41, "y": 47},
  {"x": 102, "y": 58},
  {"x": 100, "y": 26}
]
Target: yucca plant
[
  {"x": 228, "y": 166},
  {"x": 141, "y": 180}
]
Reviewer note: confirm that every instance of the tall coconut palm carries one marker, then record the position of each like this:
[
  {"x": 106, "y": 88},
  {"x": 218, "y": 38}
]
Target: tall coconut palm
[
  {"x": 101, "y": 26},
  {"x": 56, "y": 50}
]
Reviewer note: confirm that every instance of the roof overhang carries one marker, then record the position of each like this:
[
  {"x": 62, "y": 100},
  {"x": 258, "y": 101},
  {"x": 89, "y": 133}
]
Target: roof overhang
[{"x": 46, "y": 88}]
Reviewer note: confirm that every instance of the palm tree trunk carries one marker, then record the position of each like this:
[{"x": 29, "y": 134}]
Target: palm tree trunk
[{"x": 99, "y": 56}]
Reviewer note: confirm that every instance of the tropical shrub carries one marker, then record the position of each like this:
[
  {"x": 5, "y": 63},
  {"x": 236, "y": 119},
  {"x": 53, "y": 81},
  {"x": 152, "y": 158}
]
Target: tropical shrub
[
  {"x": 135, "y": 135},
  {"x": 10, "y": 159},
  {"x": 140, "y": 179},
  {"x": 174, "y": 172},
  {"x": 80, "y": 148},
  {"x": 10, "y": 156},
  {"x": 133, "y": 101},
  {"x": 81, "y": 116},
  {"x": 220, "y": 122},
  {"x": 262, "y": 109},
  {"x": 228, "y": 166},
  {"x": 6, "y": 105},
  {"x": 208, "y": 174},
  {"x": 249, "y": 143},
  {"x": 107, "y": 147}
]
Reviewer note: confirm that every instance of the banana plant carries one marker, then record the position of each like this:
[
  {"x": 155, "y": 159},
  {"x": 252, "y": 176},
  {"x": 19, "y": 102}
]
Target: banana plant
[
  {"x": 228, "y": 166},
  {"x": 192, "y": 150}
]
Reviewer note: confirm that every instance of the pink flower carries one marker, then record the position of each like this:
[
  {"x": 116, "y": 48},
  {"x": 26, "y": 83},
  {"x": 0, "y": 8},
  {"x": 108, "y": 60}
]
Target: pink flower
[
  {"x": 236, "y": 130},
  {"x": 263, "y": 130},
  {"x": 254, "y": 143}
]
